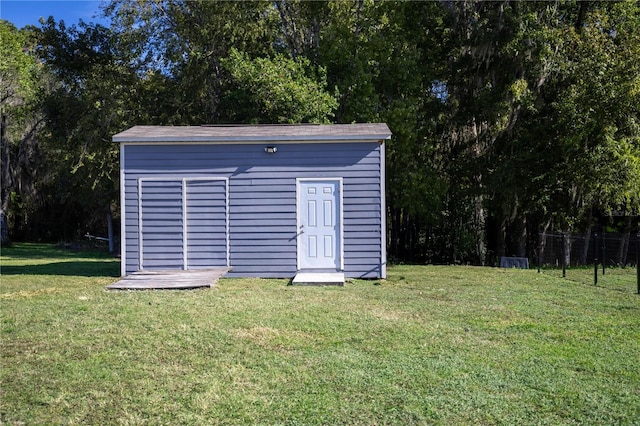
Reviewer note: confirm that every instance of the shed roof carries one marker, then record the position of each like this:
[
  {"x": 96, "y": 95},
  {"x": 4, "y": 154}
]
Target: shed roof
[{"x": 256, "y": 133}]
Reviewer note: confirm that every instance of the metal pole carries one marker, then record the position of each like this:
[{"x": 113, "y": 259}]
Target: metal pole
[
  {"x": 564, "y": 256},
  {"x": 595, "y": 259}
]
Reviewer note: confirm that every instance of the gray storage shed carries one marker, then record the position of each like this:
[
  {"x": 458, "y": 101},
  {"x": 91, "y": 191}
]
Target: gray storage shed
[{"x": 265, "y": 200}]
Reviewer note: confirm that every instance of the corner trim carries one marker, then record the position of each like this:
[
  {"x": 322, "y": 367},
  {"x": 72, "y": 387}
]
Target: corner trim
[
  {"x": 383, "y": 213},
  {"x": 123, "y": 217}
]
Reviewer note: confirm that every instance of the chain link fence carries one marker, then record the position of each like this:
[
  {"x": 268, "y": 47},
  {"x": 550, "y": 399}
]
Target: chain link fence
[{"x": 605, "y": 259}]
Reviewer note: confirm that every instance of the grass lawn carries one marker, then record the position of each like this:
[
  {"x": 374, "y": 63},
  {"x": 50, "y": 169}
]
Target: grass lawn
[
  {"x": 614, "y": 278},
  {"x": 430, "y": 345}
]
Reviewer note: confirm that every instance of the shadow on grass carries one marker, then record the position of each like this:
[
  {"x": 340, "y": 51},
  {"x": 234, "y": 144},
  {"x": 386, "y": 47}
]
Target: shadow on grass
[
  {"x": 77, "y": 268},
  {"x": 48, "y": 251},
  {"x": 62, "y": 261}
]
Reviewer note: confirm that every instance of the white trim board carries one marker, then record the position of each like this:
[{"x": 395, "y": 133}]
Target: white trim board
[
  {"x": 383, "y": 214},
  {"x": 123, "y": 218},
  {"x": 185, "y": 240}
]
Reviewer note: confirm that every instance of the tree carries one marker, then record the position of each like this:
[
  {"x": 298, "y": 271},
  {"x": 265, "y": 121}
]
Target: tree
[
  {"x": 96, "y": 93},
  {"x": 508, "y": 117},
  {"x": 598, "y": 111},
  {"x": 383, "y": 59},
  {"x": 278, "y": 90},
  {"x": 19, "y": 82},
  {"x": 540, "y": 93},
  {"x": 188, "y": 40}
]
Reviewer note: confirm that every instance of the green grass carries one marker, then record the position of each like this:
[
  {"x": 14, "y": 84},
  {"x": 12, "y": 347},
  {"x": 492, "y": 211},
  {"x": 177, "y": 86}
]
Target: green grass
[
  {"x": 614, "y": 278},
  {"x": 430, "y": 345}
]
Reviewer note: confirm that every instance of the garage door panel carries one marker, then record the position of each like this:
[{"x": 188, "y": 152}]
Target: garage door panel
[
  {"x": 156, "y": 196},
  {"x": 163, "y": 264},
  {"x": 200, "y": 232},
  {"x": 155, "y": 249},
  {"x": 206, "y": 223},
  {"x": 158, "y": 245},
  {"x": 207, "y": 203},
  {"x": 195, "y": 217},
  {"x": 205, "y": 255},
  {"x": 162, "y": 228},
  {"x": 195, "y": 231},
  {"x": 169, "y": 224},
  {"x": 205, "y": 242},
  {"x": 205, "y": 188},
  {"x": 167, "y": 208}
]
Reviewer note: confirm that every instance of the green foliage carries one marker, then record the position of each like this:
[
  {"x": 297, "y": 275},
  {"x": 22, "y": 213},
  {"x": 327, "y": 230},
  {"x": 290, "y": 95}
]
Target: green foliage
[
  {"x": 279, "y": 90},
  {"x": 91, "y": 97},
  {"x": 17, "y": 68},
  {"x": 186, "y": 41},
  {"x": 544, "y": 107},
  {"x": 598, "y": 105},
  {"x": 20, "y": 79},
  {"x": 508, "y": 117}
]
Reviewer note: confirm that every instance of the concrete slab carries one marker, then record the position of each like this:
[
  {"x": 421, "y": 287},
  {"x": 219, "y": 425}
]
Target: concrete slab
[
  {"x": 169, "y": 280},
  {"x": 319, "y": 278}
]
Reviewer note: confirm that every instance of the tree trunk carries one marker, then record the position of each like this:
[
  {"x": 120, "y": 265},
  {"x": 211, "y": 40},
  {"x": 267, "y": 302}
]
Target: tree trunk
[
  {"x": 521, "y": 236},
  {"x": 582, "y": 13},
  {"x": 479, "y": 225},
  {"x": 623, "y": 250},
  {"x": 566, "y": 249},
  {"x": 110, "y": 229},
  {"x": 4, "y": 229},
  {"x": 6, "y": 180},
  {"x": 585, "y": 248},
  {"x": 501, "y": 238},
  {"x": 408, "y": 243},
  {"x": 479, "y": 212},
  {"x": 543, "y": 242},
  {"x": 394, "y": 240}
]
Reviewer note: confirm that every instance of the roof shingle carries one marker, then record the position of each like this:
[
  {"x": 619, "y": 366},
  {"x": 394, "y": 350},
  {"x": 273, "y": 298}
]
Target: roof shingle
[{"x": 263, "y": 132}]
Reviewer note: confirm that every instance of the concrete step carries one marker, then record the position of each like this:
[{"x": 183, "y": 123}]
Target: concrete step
[{"x": 319, "y": 278}]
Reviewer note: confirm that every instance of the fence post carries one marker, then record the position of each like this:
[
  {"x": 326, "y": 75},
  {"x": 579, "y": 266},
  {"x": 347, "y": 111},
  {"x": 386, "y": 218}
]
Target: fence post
[
  {"x": 595, "y": 259},
  {"x": 564, "y": 256},
  {"x": 604, "y": 252}
]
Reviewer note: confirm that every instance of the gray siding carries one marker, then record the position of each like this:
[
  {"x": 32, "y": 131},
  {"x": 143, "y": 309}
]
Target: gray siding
[
  {"x": 162, "y": 235},
  {"x": 206, "y": 202},
  {"x": 262, "y": 201}
]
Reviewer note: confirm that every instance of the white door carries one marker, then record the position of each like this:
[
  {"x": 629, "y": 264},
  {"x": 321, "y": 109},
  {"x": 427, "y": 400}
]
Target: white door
[{"x": 319, "y": 245}]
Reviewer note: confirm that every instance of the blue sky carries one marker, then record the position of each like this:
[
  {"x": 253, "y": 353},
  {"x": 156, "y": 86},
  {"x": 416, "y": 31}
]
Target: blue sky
[{"x": 28, "y": 12}]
